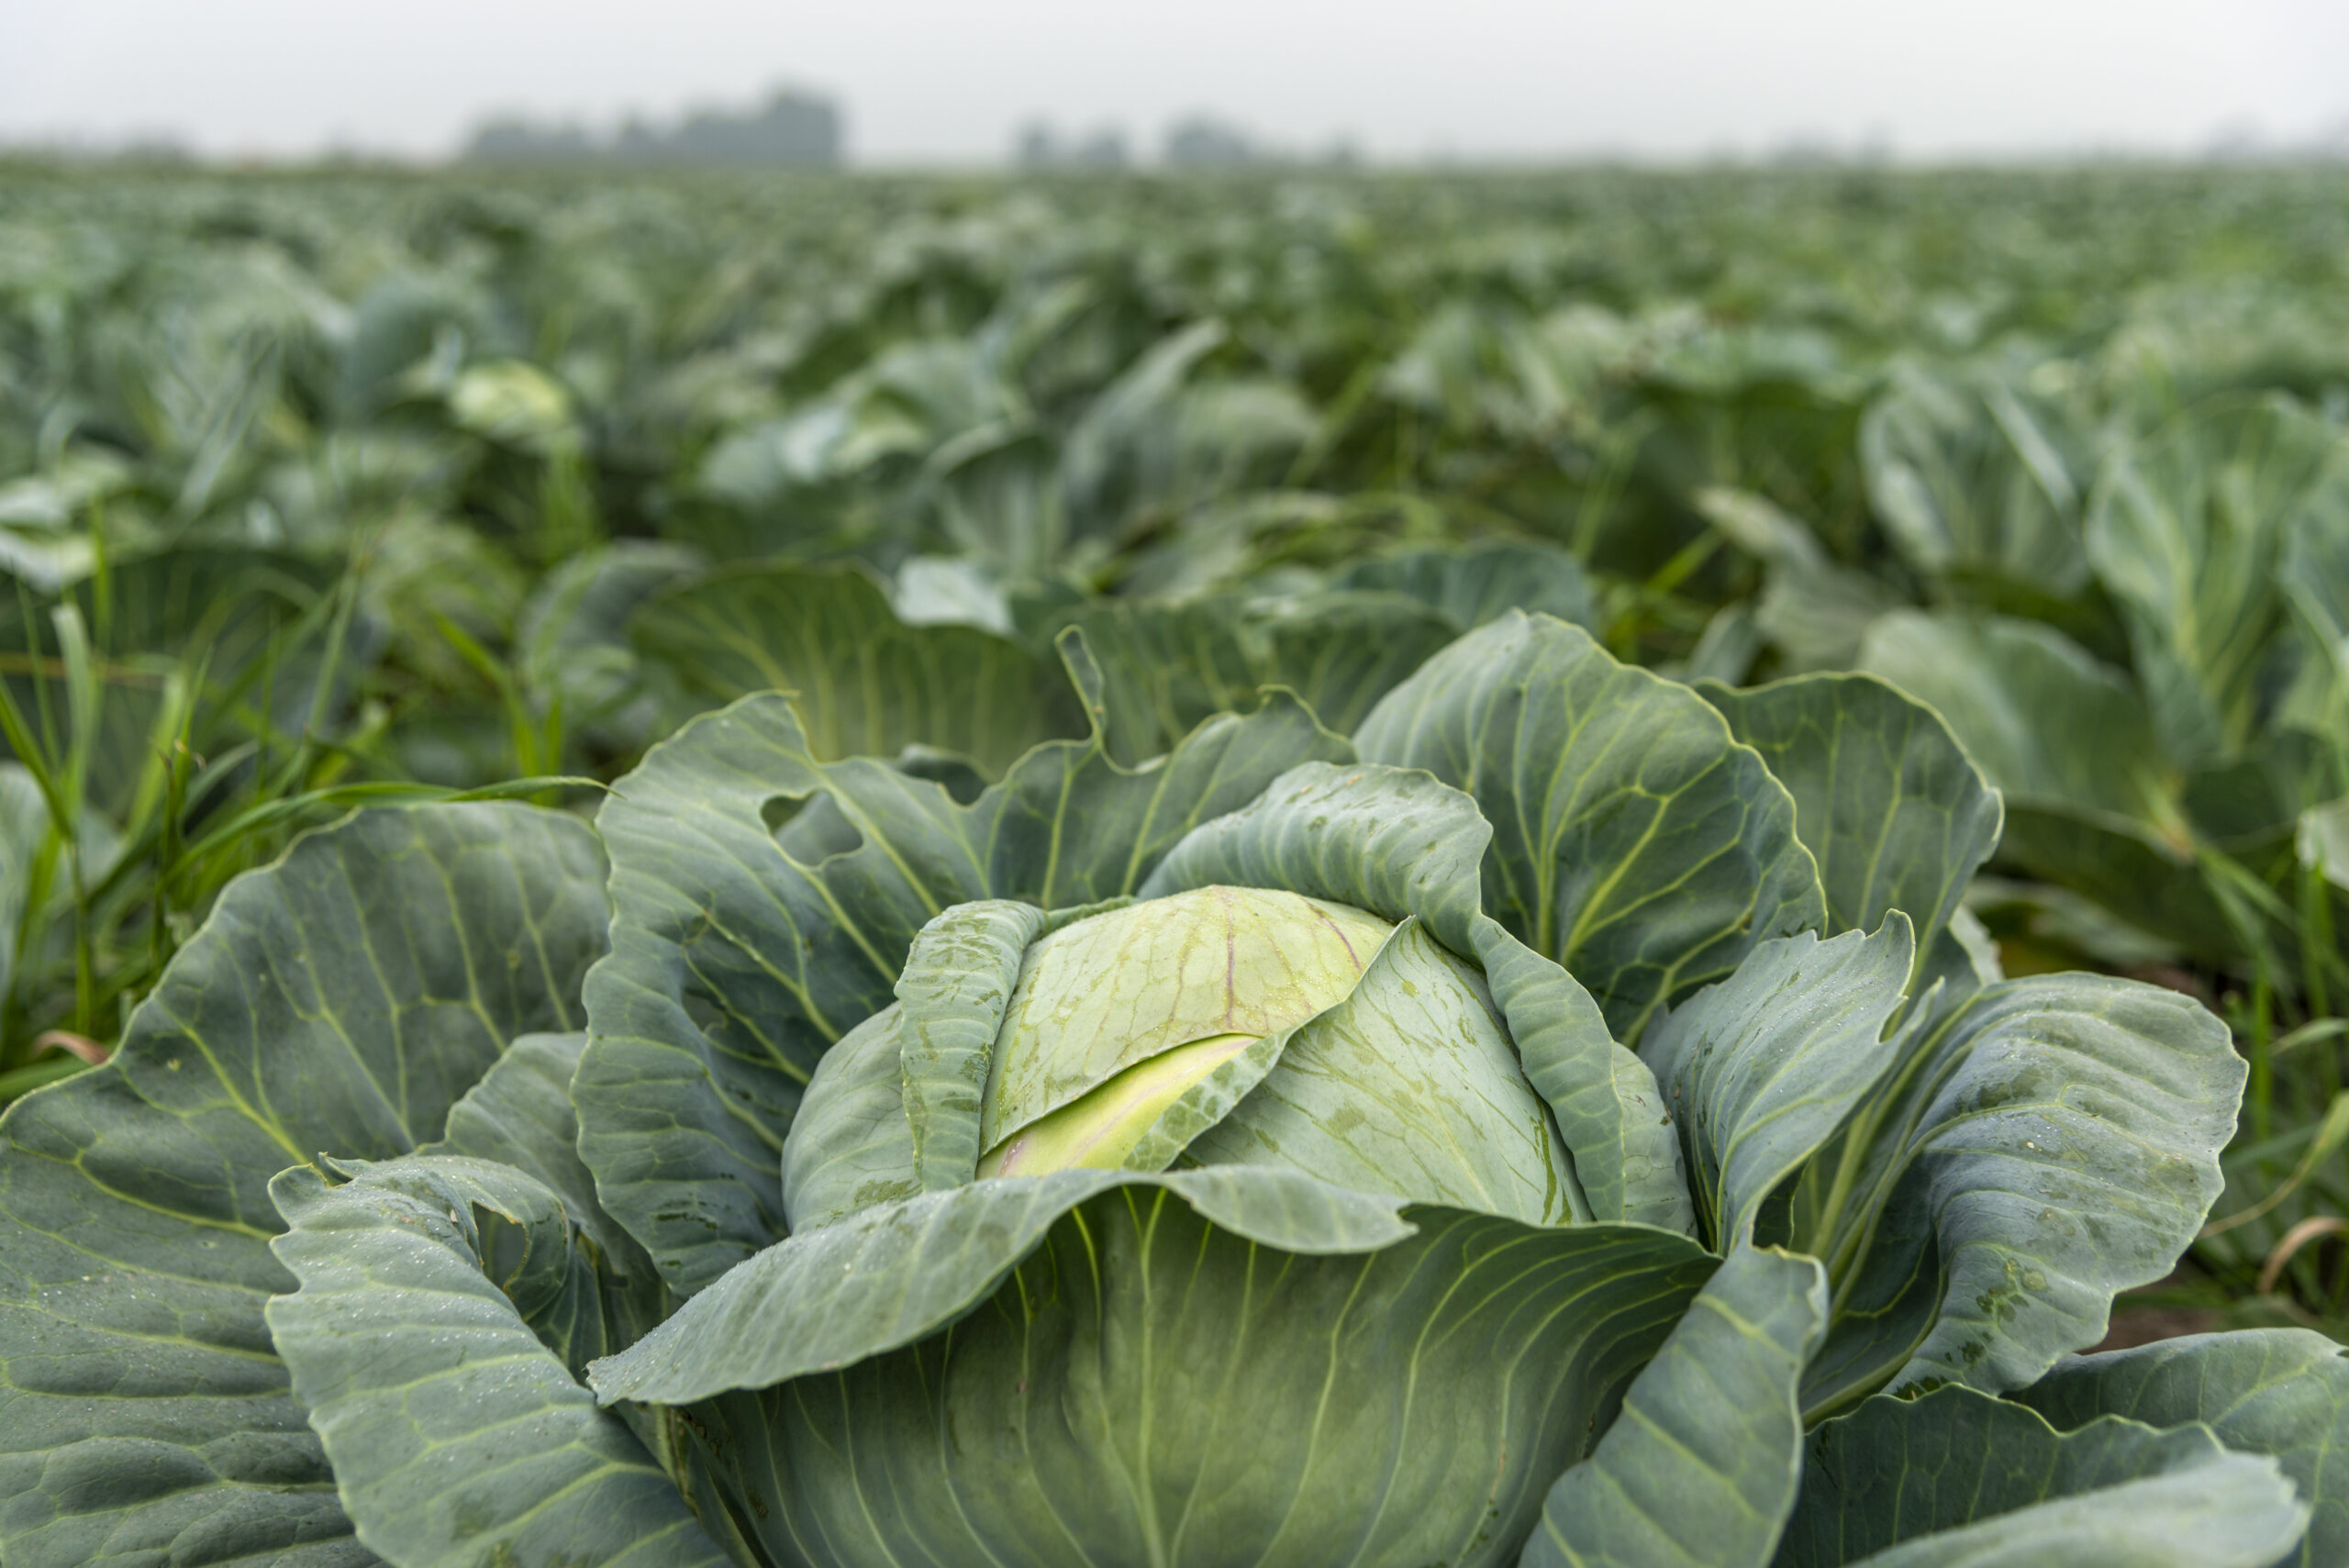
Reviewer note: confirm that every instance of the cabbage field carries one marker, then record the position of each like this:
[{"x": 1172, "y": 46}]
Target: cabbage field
[{"x": 1568, "y": 867}]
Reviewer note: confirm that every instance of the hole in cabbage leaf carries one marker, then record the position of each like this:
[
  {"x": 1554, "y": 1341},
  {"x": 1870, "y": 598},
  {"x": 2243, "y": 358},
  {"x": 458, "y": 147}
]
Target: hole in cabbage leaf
[
  {"x": 810, "y": 828},
  {"x": 956, "y": 775}
]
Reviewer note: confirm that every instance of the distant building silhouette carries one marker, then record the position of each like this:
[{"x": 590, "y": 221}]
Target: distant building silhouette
[
  {"x": 1202, "y": 141},
  {"x": 1196, "y": 141},
  {"x": 792, "y": 128},
  {"x": 1041, "y": 147},
  {"x": 509, "y": 138}
]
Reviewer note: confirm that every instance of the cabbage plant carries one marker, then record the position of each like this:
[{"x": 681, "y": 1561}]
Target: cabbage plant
[{"x": 1569, "y": 1121}]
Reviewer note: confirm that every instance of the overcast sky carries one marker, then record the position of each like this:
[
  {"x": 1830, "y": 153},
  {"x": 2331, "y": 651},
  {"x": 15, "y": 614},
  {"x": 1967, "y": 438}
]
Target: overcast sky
[{"x": 950, "y": 81}]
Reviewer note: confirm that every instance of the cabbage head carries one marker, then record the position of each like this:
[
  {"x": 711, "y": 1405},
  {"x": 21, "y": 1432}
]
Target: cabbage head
[{"x": 1569, "y": 1120}]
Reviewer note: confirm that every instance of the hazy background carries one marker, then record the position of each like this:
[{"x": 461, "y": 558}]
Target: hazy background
[{"x": 927, "y": 82}]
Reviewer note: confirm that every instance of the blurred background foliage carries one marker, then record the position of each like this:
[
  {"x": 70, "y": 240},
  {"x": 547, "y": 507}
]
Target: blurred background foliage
[{"x": 318, "y": 489}]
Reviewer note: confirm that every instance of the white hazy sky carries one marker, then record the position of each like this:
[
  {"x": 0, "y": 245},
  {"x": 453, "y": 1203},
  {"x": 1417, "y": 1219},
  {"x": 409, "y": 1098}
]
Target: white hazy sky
[{"x": 949, "y": 80}]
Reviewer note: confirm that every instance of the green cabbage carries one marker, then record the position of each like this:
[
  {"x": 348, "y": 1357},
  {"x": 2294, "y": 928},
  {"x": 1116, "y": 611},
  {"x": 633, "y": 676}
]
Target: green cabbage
[{"x": 1564, "y": 1122}]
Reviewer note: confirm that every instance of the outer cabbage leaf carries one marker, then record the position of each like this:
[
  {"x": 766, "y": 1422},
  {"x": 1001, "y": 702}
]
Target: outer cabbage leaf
[
  {"x": 2091, "y": 801},
  {"x": 1168, "y": 666},
  {"x": 340, "y": 999},
  {"x": 446, "y": 1305},
  {"x": 1165, "y": 667},
  {"x": 2231, "y": 1513},
  {"x": 521, "y": 1114},
  {"x": 571, "y": 638},
  {"x": 851, "y": 1143},
  {"x": 2186, "y": 531},
  {"x": 2315, "y": 573},
  {"x": 2045, "y": 722},
  {"x": 1764, "y": 1068},
  {"x": 2045, "y": 1146},
  {"x": 862, "y": 681},
  {"x": 1702, "y": 1464},
  {"x": 1109, "y": 1383},
  {"x": 884, "y": 1278},
  {"x": 2283, "y": 1392},
  {"x": 1885, "y": 800},
  {"x": 1471, "y": 585},
  {"x": 1636, "y": 842},
  {"x": 1971, "y": 481},
  {"x": 1812, "y": 608},
  {"x": 1958, "y": 1477},
  {"x": 1342, "y": 651}
]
